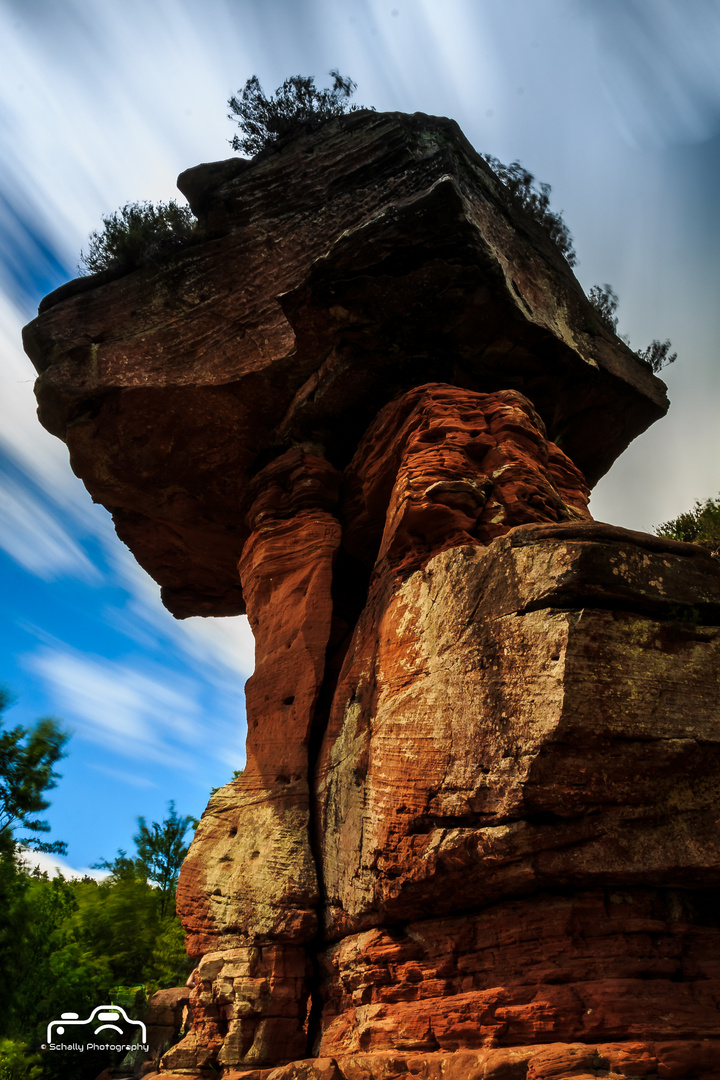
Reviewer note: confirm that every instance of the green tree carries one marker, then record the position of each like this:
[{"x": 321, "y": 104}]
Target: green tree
[
  {"x": 701, "y": 525},
  {"x": 161, "y": 849},
  {"x": 14, "y": 925},
  {"x": 137, "y": 234},
  {"x": 27, "y": 770},
  {"x": 296, "y": 106}
]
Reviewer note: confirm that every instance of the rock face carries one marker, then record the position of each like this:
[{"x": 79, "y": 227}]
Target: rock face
[{"x": 477, "y": 833}]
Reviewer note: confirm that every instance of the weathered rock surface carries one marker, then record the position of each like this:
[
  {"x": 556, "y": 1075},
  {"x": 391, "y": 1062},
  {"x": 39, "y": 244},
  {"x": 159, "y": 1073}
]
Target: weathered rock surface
[
  {"x": 372, "y": 256},
  {"x": 477, "y": 833},
  {"x": 541, "y": 711},
  {"x": 667, "y": 1059}
]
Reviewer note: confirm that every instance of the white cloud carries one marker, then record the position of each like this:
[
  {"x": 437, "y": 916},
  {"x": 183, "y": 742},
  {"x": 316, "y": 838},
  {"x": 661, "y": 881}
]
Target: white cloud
[
  {"x": 227, "y": 642},
  {"x": 52, "y": 865},
  {"x": 658, "y": 66}
]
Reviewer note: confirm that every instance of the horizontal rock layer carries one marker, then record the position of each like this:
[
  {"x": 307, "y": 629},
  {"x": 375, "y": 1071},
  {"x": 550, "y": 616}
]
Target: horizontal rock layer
[{"x": 588, "y": 967}]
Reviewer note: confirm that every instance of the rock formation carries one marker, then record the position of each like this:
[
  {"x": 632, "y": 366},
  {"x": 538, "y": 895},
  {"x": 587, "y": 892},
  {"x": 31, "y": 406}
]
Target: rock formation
[{"x": 477, "y": 833}]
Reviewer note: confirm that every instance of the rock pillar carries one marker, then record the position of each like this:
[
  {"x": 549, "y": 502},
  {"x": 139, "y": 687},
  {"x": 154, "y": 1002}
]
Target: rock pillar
[{"x": 248, "y": 892}]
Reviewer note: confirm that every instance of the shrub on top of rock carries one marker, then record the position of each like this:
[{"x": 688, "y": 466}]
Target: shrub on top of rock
[
  {"x": 656, "y": 355},
  {"x": 138, "y": 234},
  {"x": 295, "y": 107},
  {"x": 605, "y": 301},
  {"x": 519, "y": 183}
]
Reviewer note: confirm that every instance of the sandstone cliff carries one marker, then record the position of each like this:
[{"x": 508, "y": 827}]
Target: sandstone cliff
[{"x": 476, "y": 834}]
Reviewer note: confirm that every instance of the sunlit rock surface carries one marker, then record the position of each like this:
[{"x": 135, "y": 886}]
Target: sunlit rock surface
[{"x": 477, "y": 832}]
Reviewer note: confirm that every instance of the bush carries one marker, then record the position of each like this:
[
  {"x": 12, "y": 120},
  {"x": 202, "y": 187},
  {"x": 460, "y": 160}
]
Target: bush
[
  {"x": 297, "y": 106},
  {"x": 137, "y": 234},
  {"x": 701, "y": 525},
  {"x": 605, "y": 301},
  {"x": 520, "y": 185},
  {"x": 17, "y": 1063},
  {"x": 657, "y": 354}
]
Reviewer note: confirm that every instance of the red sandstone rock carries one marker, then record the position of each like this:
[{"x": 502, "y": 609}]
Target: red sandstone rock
[
  {"x": 589, "y": 967},
  {"x": 167, "y": 1015},
  {"x": 442, "y": 467},
  {"x": 681, "y": 1060}
]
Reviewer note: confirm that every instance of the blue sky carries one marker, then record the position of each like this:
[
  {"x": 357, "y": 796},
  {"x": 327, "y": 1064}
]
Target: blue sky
[{"x": 615, "y": 103}]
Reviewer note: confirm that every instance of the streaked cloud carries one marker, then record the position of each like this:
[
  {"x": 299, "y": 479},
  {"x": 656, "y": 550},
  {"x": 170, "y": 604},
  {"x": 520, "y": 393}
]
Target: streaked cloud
[
  {"x": 35, "y": 539},
  {"x": 146, "y": 717},
  {"x": 224, "y": 647},
  {"x": 132, "y": 779},
  {"x": 659, "y": 68}
]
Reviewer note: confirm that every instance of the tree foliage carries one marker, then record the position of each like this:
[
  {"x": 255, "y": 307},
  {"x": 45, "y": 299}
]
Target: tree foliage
[
  {"x": 701, "y": 525},
  {"x": 73, "y": 945},
  {"x": 77, "y": 944},
  {"x": 297, "y": 106},
  {"x": 27, "y": 770},
  {"x": 161, "y": 849},
  {"x": 137, "y": 234},
  {"x": 519, "y": 182},
  {"x": 17, "y": 1063}
]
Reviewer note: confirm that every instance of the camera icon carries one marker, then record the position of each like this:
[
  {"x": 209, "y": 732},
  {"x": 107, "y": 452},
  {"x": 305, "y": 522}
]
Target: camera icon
[{"x": 106, "y": 1017}]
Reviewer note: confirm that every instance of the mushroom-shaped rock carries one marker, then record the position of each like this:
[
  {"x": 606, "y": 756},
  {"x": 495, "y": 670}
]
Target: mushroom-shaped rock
[
  {"x": 476, "y": 829},
  {"x": 356, "y": 262}
]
